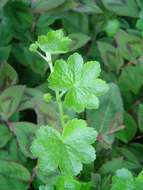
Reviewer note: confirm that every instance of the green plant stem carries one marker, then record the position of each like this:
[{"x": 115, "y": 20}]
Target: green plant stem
[
  {"x": 47, "y": 59},
  {"x": 58, "y": 97}
]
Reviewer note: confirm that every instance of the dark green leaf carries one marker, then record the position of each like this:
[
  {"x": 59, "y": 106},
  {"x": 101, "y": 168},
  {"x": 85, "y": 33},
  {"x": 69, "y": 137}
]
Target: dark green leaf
[
  {"x": 123, "y": 8},
  {"x": 130, "y": 129},
  {"x": 13, "y": 175},
  {"x": 123, "y": 180},
  {"x": 88, "y": 6},
  {"x": 25, "y": 133},
  {"x": 30, "y": 60},
  {"x": 109, "y": 117},
  {"x": 10, "y": 100},
  {"x": 6, "y": 32},
  {"x": 127, "y": 78},
  {"x": 111, "y": 166},
  {"x": 8, "y": 76},
  {"x": 44, "y": 5},
  {"x": 78, "y": 40},
  {"x": 140, "y": 117},
  {"x": 5, "y": 135},
  {"x": 76, "y": 23},
  {"x": 14, "y": 170},
  {"x": 110, "y": 56},
  {"x": 4, "y": 53},
  {"x": 2, "y": 3},
  {"x": 130, "y": 46}
]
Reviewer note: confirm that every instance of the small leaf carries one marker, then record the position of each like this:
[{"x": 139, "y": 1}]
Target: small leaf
[
  {"x": 54, "y": 42},
  {"x": 47, "y": 97},
  {"x": 67, "y": 151},
  {"x": 80, "y": 81},
  {"x": 33, "y": 47}
]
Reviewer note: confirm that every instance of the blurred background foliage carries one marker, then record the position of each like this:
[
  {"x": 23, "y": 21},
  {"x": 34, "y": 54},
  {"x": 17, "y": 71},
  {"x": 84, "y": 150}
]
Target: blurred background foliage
[{"x": 109, "y": 31}]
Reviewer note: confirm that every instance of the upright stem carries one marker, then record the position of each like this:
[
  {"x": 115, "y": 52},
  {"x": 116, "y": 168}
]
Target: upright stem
[{"x": 58, "y": 97}]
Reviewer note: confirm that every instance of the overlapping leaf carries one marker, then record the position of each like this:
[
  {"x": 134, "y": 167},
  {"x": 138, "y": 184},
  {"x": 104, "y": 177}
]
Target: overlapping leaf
[
  {"x": 5, "y": 135},
  {"x": 44, "y": 5},
  {"x": 78, "y": 40},
  {"x": 88, "y": 6},
  {"x": 8, "y": 76},
  {"x": 80, "y": 81},
  {"x": 109, "y": 117},
  {"x": 110, "y": 56},
  {"x": 122, "y": 7},
  {"x": 67, "y": 151},
  {"x": 140, "y": 117},
  {"x": 130, "y": 46},
  {"x": 124, "y": 179},
  {"x": 139, "y": 181},
  {"x": 25, "y": 132},
  {"x": 10, "y": 100},
  {"x": 128, "y": 133},
  {"x": 13, "y": 175},
  {"x": 66, "y": 183},
  {"x": 127, "y": 78}
]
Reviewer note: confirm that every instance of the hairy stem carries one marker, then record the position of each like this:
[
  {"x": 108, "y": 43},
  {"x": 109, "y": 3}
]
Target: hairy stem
[{"x": 58, "y": 97}]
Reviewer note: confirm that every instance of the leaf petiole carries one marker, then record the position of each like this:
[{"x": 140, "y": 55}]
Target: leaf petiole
[{"x": 48, "y": 59}]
